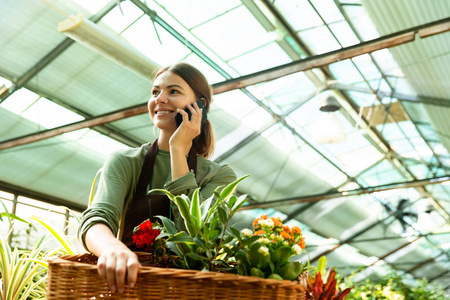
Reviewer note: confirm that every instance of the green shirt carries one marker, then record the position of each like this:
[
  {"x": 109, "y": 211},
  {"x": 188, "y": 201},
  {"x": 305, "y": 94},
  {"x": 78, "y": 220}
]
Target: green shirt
[{"x": 119, "y": 177}]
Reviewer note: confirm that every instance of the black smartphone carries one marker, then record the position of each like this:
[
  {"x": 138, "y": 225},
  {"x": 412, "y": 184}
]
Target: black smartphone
[{"x": 201, "y": 104}]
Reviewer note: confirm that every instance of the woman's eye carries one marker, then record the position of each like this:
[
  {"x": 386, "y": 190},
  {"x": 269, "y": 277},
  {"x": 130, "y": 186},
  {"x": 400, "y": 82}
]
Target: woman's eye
[
  {"x": 174, "y": 92},
  {"x": 155, "y": 93}
]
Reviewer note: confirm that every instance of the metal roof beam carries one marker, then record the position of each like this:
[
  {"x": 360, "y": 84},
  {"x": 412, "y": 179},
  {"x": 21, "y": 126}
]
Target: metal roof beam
[
  {"x": 18, "y": 190},
  {"x": 89, "y": 122},
  {"x": 401, "y": 97},
  {"x": 356, "y": 192},
  {"x": 388, "y": 41}
]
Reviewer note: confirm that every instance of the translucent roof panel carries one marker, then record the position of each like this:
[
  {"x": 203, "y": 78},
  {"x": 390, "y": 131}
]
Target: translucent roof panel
[
  {"x": 266, "y": 57},
  {"x": 194, "y": 13},
  {"x": 382, "y": 173},
  {"x": 286, "y": 93},
  {"x": 231, "y": 39},
  {"x": 345, "y": 72},
  {"x": 299, "y": 13},
  {"x": 320, "y": 39},
  {"x": 166, "y": 52}
]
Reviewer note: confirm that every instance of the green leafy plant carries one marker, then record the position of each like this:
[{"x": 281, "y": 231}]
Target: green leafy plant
[
  {"x": 318, "y": 289},
  {"x": 24, "y": 272},
  {"x": 394, "y": 285},
  {"x": 202, "y": 245},
  {"x": 270, "y": 250}
]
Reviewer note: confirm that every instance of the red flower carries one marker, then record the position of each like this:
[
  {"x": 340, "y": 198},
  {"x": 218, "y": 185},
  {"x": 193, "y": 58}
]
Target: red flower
[{"x": 145, "y": 236}]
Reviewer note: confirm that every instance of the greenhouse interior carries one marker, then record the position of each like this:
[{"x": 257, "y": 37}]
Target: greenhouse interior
[{"x": 338, "y": 110}]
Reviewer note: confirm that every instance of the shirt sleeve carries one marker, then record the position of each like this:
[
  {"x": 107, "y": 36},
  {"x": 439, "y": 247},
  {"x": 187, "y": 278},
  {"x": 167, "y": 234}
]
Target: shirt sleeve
[{"x": 113, "y": 188}]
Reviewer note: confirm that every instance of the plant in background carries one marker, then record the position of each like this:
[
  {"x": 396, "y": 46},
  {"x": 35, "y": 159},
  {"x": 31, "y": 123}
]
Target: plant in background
[
  {"x": 318, "y": 289},
  {"x": 269, "y": 251},
  {"x": 394, "y": 285},
  {"x": 24, "y": 272},
  {"x": 203, "y": 244}
]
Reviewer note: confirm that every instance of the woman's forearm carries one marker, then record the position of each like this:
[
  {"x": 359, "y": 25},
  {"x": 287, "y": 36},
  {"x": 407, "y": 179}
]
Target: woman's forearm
[{"x": 99, "y": 238}]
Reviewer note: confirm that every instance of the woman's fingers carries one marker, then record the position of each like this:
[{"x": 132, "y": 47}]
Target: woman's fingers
[
  {"x": 132, "y": 267},
  {"x": 118, "y": 269}
]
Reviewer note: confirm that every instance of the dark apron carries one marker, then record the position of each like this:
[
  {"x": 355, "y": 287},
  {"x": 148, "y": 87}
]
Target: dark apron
[{"x": 143, "y": 206}]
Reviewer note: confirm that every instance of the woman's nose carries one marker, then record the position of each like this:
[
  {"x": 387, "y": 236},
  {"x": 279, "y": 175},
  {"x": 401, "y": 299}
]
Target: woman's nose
[{"x": 161, "y": 98}]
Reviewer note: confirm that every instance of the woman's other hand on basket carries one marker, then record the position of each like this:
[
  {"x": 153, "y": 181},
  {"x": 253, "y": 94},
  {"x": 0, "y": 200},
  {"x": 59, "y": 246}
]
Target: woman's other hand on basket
[{"x": 117, "y": 264}]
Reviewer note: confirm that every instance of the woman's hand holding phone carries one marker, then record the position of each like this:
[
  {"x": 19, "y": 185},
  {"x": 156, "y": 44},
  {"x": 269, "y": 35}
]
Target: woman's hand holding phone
[{"x": 189, "y": 128}]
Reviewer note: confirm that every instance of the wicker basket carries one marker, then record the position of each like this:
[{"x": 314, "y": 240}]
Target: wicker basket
[{"x": 76, "y": 277}]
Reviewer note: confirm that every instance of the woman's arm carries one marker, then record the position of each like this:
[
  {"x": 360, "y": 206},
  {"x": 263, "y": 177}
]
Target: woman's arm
[{"x": 117, "y": 264}]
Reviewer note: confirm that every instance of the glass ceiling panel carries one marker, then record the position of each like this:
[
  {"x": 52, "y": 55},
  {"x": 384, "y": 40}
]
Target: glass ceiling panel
[
  {"x": 366, "y": 66},
  {"x": 382, "y": 173},
  {"x": 345, "y": 72},
  {"x": 49, "y": 114},
  {"x": 212, "y": 76},
  {"x": 328, "y": 10},
  {"x": 287, "y": 92},
  {"x": 319, "y": 39},
  {"x": 170, "y": 50},
  {"x": 20, "y": 100},
  {"x": 387, "y": 63},
  {"x": 5, "y": 82},
  {"x": 260, "y": 59},
  {"x": 195, "y": 12},
  {"x": 120, "y": 17},
  {"x": 93, "y": 6},
  {"x": 361, "y": 22},
  {"x": 344, "y": 34},
  {"x": 363, "y": 99},
  {"x": 299, "y": 13},
  {"x": 231, "y": 38}
]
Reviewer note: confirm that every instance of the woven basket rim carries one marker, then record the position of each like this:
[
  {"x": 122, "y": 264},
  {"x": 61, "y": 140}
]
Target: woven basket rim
[{"x": 73, "y": 260}]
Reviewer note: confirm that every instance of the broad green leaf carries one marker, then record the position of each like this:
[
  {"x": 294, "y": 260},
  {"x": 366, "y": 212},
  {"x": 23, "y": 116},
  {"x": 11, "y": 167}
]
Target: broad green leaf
[
  {"x": 222, "y": 215},
  {"x": 92, "y": 192},
  {"x": 169, "y": 226},
  {"x": 231, "y": 201},
  {"x": 183, "y": 206},
  {"x": 322, "y": 266},
  {"x": 229, "y": 189},
  {"x": 12, "y": 216},
  {"x": 181, "y": 237},
  {"x": 174, "y": 248},
  {"x": 196, "y": 256},
  {"x": 201, "y": 243},
  {"x": 195, "y": 208},
  {"x": 169, "y": 194},
  {"x": 240, "y": 201},
  {"x": 205, "y": 208},
  {"x": 235, "y": 232}
]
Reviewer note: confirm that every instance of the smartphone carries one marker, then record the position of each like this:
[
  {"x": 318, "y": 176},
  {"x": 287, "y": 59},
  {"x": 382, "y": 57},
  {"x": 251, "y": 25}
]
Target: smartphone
[{"x": 201, "y": 104}]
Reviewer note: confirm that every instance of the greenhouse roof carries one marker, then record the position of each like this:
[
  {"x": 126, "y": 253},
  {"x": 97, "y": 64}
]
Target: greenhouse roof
[{"x": 369, "y": 184}]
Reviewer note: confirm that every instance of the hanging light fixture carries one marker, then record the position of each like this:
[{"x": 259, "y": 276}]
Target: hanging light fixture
[
  {"x": 328, "y": 128},
  {"x": 108, "y": 44}
]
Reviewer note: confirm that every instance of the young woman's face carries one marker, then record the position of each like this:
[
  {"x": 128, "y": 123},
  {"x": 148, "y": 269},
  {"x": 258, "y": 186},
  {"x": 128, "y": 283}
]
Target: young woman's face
[{"x": 169, "y": 92}]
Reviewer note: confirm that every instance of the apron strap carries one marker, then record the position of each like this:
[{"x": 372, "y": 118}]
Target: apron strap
[{"x": 149, "y": 161}]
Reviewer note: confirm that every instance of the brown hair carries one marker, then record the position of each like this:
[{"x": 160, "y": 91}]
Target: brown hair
[{"x": 204, "y": 143}]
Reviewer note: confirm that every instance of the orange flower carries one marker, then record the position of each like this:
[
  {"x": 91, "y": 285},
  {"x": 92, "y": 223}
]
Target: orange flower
[
  {"x": 296, "y": 230},
  {"x": 264, "y": 217},
  {"x": 276, "y": 221},
  {"x": 287, "y": 229},
  {"x": 255, "y": 222},
  {"x": 302, "y": 243},
  {"x": 285, "y": 235},
  {"x": 259, "y": 232}
]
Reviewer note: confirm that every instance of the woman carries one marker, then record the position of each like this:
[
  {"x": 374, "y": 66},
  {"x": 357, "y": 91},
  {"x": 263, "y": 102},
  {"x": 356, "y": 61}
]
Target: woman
[{"x": 121, "y": 201}]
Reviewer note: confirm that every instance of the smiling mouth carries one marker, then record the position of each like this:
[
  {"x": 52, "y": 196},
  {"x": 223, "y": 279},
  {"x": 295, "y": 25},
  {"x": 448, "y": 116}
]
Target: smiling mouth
[{"x": 162, "y": 112}]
